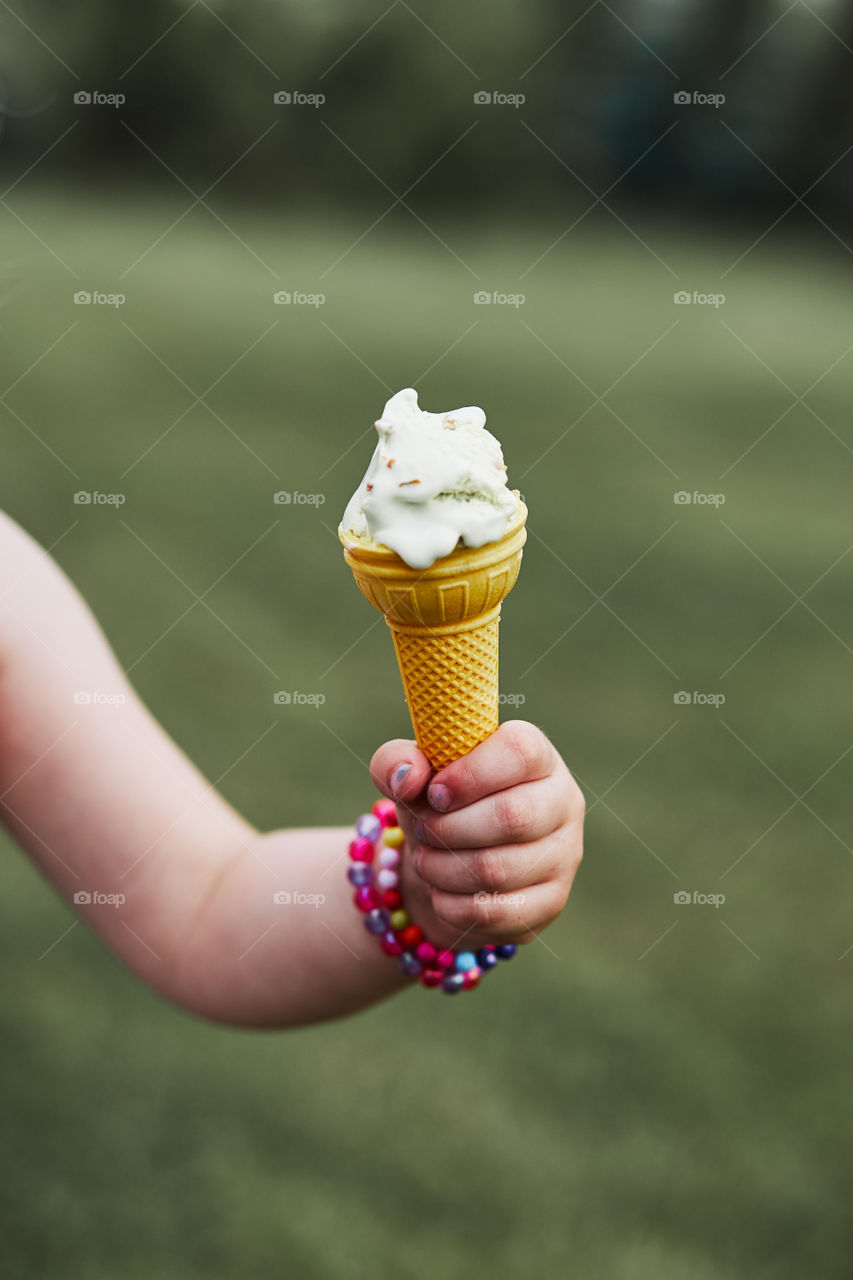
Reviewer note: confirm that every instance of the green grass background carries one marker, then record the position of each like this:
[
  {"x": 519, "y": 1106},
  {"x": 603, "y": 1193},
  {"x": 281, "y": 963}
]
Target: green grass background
[{"x": 653, "y": 1091}]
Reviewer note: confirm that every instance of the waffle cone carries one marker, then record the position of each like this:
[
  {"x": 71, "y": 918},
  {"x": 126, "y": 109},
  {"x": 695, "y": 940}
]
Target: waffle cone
[{"x": 444, "y": 621}]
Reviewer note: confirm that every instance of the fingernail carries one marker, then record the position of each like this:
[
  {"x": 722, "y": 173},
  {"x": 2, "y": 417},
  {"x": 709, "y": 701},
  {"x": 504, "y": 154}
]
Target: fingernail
[
  {"x": 416, "y": 863},
  {"x": 419, "y": 830},
  {"x": 398, "y": 777},
  {"x": 439, "y": 797}
]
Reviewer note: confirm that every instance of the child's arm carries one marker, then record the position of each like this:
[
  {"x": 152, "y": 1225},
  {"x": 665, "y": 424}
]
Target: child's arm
[{"x": 106, "y": 804}]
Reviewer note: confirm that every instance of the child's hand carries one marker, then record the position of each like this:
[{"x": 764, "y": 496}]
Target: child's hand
[{"x": 493, "y": 841}]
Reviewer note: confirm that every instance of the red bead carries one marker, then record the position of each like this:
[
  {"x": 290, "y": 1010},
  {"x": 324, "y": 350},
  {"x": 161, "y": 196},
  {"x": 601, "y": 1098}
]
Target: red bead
[
  {"x": 411, "y": 935},
  {"x": 471, "y": 979},
  {"x": 426, "y": 952},
  {"x": 392, "y": 899},
  {"x": 390, "y": 945},
  {"x": 361, "y": 849},
  {"x": 386, "y": 813},
  {"x": 447, "y": 959},
  {"x": 366, "y": 897},
  {"x": 431, "y": 977}
]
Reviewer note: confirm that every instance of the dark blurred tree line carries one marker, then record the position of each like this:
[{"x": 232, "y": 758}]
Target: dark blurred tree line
[{"x": 599, "y": 83}]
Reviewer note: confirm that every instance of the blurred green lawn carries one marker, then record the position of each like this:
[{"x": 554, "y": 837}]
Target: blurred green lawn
[{"x": 654, "y": 1091}]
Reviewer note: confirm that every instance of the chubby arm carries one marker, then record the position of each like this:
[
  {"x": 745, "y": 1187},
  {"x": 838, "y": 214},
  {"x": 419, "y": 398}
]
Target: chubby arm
[
  {"x": 183, "y": 889},
  {"x": 107, "y": 806}
]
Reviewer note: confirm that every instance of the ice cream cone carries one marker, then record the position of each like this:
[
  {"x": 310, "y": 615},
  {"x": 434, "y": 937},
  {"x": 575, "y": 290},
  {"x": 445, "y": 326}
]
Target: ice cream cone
[{"x": 444, "y": 621}]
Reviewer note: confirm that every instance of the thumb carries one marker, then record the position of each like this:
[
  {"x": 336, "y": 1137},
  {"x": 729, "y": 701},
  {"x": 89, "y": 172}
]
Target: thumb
[{"x": 400, "y": 771}]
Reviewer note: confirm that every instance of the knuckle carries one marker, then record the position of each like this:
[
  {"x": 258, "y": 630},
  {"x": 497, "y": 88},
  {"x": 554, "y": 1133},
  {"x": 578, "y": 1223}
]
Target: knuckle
[
  {"x": 487, "y": 868},
  {"x": 528, "y": 744},
  {"x": 513, "y": 812}
]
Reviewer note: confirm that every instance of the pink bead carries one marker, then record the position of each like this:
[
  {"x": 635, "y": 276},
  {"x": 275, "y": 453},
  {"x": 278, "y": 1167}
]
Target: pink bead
[
  {"x": 361, "y": 849},
  {"x": 366, "y": 898},
  {"x": 389, "y": 857},
  {"x": 431, "y": 977},
  {"x": 387, "y": 879},
  {"x": 471, "y": 979},
  {"x": 446, "y": 959},
  {"x": 426, "y": 952},
  {"x": 390, "y": 945},
  {"x": 386, "y": 813}
]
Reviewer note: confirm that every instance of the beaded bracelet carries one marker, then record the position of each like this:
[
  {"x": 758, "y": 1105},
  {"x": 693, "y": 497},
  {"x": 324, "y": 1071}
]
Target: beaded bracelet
[{"x": 379, "y": 838}]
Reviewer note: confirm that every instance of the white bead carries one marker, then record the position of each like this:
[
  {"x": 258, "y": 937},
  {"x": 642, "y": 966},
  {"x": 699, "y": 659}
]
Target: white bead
[
  {"x": 387, "y": 879},
  {"x": 389, "y": 857}
]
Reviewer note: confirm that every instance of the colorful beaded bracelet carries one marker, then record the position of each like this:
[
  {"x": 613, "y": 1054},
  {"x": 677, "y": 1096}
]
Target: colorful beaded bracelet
[{"x": 379, "y": 839}]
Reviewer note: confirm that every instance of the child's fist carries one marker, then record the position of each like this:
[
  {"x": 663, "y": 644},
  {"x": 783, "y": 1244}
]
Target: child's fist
[{"x": 494, "y": 840}]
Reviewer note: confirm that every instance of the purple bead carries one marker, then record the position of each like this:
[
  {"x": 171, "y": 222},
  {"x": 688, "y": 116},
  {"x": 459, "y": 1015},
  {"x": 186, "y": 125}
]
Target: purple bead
[
  {"x": 410, "y": 964},
  {"x": 453, "y": 982},
  {"x": 369, "y": 826},
  {"x": 360, "y": 873},
  {"x": 506, "y": 952},
  {"x": 487, "y": 958},
  {"x": 377, "y": 920}
]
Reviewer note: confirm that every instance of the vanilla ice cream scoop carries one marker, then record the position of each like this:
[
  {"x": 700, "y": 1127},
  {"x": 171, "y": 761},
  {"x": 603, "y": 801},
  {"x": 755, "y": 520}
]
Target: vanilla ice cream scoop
[{"x": 435, "y": 479}]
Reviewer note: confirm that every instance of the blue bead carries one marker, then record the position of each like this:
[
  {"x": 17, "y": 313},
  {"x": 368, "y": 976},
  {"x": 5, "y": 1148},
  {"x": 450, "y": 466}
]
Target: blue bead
[
  {"x": 506, "y": 952},
  {"x": 453, "y": 983},
  {"x": 360, "y": 873},
  {"x": 409, "y": 964},
  {"x": 487, "y": 958},
  {"x": 369, "y": 826},
  {"x": 465, "y": 960},
  {"x": 377, "y": 920}
]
